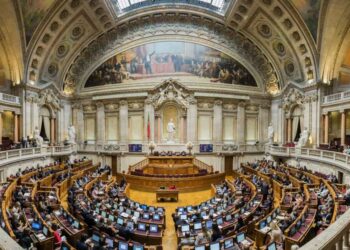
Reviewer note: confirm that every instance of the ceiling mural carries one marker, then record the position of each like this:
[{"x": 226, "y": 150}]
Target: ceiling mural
[
  {"x": 310, "y": 11},
  {"x": 173, "y": 58},
  {"x": 33, "y": 12}
]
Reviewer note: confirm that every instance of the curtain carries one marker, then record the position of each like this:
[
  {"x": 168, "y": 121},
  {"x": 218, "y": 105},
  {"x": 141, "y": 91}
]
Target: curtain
[
  {"x": 47, "y": 126},
  {"x": 296, "y": 121},
  {"x": 297, "y": 135}
]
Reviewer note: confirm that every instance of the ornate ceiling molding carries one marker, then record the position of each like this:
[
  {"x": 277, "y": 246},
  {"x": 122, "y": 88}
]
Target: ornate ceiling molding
[
  {"x": 158, "y": 28},
  {"x": 267, "y": 36},
  {"x": 277, "y": 28}
]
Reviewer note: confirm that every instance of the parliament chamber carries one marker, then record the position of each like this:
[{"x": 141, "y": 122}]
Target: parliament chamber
[{"x": 175, "y": 124}]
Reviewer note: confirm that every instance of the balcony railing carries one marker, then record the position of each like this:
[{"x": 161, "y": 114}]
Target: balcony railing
[
  {"x": 343, "y": 96},
  {"x": 9, "y": 98},
  {"x": 339, "y": 159},
  {"x": 10, "y": 156}
]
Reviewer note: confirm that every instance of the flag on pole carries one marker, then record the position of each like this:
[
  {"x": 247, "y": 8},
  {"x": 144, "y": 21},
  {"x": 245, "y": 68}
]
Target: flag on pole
[{"x": 148, "y": 128}]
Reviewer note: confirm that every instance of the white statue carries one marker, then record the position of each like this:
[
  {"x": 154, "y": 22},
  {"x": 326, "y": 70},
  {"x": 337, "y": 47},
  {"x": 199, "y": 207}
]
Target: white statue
[
  {"x": 71, "y": 134},
  {"x": 39, "y": 140},
  {"x": 304, "y": 137},
  {"x": 171, "y": 130},
  {"x": 270, "y": 132}
]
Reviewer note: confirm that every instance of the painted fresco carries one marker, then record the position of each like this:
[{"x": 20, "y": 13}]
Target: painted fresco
[
  {"x": 33, "y": 12},
  {"x": 170, "y": 59},
  {"x": 309, "y": 10}
]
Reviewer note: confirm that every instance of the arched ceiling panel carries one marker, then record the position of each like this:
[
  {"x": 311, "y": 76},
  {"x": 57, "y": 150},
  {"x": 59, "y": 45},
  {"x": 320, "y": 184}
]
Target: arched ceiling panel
[{"x": 269, "y": 36}]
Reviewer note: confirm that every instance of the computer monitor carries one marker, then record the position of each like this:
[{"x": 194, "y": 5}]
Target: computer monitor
[
  {"x": 298, "y": 224},
  {"x": 183, "y": 216},
  {"x": 45, "y": 231},
  {"x": 189, "y": 208},
  {"x": 262, "y": 224},
  {"x": 36, "y": 226},
  {"x": 130, "y": 225},
  {"x": 128, "y": 211},
  {"x": 197, "y": 226},
  {"x": 145, "y": 216},
  {"x": 156, "y": 217},
  {"x": 111, "y": 217},
  {"x": 104, "y": 214},
  {"x": 292, "y": 231},
  {"x": 211, "y": 211},
  {"x": 97, "y": 210},
  {"x": 76, "y": 224},
  {"x": 236, "y": 215},
  {"x": 153, "y": 228},
  {"x": 268, "y": 219},
  {"x": 136, "y": 214},
  {"x": 185, "y": 228},
  {"x": 70, "y": 219},
  {"x": 240, "y": 237},
  {"x": 120, "y": 221},
  {"x": 109, "y": 242},
  {"x": 271, "y": 246},
  {"x": 123, "y": 245},
  {"x": 95, "y": 238},
  {"x": 141, "y": 227},
  {"x": 219, "y": 221},
  {"x": 144, "y": 207},
  {"x": 228, "y": 243},
  {"x": 228, "y": 217},
  {"x": 151, "y": 209},
  {"x": 121, "y": 209},
  {"x": 180, "y": 209},
  {"x": 209, "y": 224},
  {"x": 137, "y": 247},
  {"x": 215, "y": 246},
  {"x": 202, "y": 247}
]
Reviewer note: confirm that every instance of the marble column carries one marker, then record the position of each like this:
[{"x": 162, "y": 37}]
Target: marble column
[
  {"x": 289, "y": 129},
  {"x": 1, "y": 127},
  {"x": 192, "y": 119},
  {"x": 15, "y": 128},
  {"x": 241, "y": 123},
  {"x": 100, "y": 123},
  {"x": 326, "y": 127},
  {"x": 159, "y": 131},
  {"x": 52, "y": 130},
  {"x": 123, "y": 121},
  {"x": 78, "y": 121},
  {"x": 182, "y": 129},
  {"x": 149, "y": 113},
  {"x": 342, "y": 127},
  {"x": 263, "y": 123},
  {"x": 217, "y": 122}
]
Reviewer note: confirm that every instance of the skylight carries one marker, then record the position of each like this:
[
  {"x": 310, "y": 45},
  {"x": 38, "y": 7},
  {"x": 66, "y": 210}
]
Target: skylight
[{"x": 127, "y": 5}]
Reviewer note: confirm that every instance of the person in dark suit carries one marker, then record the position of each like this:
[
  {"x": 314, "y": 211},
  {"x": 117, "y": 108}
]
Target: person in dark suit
[{"x": 81, "y": 245}]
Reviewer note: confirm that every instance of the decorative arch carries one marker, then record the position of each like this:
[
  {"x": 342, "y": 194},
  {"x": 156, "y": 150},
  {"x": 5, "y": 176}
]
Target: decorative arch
[{"x": 127, "y": 36}]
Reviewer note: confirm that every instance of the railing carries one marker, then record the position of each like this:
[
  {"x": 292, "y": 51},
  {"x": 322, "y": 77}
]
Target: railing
[
  {"x": 337, "y": 97},
  {"x": 202, "y": 165},
  {"x": 336, "y": 236},
  {"x": 139, "y": 165},
  {"x": 9, "y": 156},
  {"x": 340, "y": 159},
  {"x": 9, "y": 98}
]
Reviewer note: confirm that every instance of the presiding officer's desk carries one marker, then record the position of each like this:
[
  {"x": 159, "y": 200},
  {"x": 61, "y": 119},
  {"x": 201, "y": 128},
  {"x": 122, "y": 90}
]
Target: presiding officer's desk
[{"x": 166, "y": 194}]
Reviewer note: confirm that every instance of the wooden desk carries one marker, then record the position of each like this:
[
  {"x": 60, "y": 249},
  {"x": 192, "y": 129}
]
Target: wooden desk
[{"x": 167, "y": 194}]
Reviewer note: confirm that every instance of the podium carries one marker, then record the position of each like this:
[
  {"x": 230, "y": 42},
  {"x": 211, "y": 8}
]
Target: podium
[{"x": 167, "y": 195}]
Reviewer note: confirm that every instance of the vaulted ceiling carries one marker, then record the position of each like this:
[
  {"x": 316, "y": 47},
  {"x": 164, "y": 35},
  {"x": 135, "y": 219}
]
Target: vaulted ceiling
[{"x": 274, "y": 38}]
